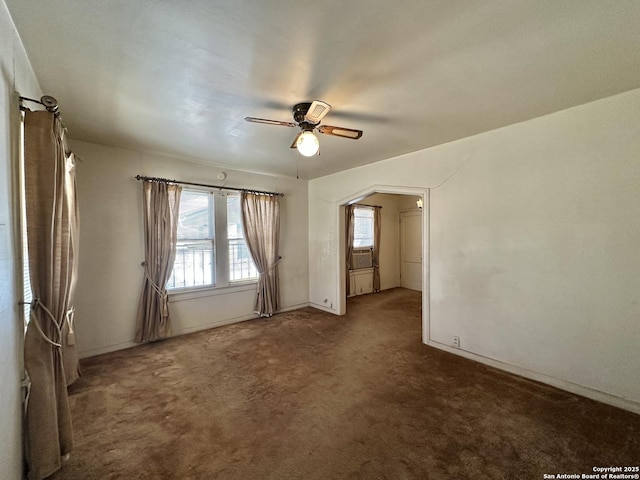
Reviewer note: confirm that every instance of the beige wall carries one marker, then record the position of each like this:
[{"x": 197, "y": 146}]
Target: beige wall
[
  {"x": 111, "y": 247},
  {"x": 407, "y": 203},
  {"x": 17, "y": 79},
  {"x": 534, "y": 233}
]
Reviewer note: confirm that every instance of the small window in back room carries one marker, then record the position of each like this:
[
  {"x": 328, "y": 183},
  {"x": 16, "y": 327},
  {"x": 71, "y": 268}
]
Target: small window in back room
[{"x": 362, "y": 227}]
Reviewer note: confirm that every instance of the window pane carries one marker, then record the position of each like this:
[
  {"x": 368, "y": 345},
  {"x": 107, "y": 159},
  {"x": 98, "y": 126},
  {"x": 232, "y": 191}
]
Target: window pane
[
  {"x": 241, "y": 266},
  {"x": 362, "y": 227},
  {"x": 195, "y": 216},
  {"x": 234, "y": 217},
  {"x": 193, "y": 265}
]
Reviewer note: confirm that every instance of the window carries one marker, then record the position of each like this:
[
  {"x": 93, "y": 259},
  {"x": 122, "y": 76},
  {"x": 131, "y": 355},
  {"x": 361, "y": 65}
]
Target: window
[
  {"x": 211, "y": 249},
  {"x": 362, "y": 227},
  {"x": 27, "y": 294},
  {"x": 194, "y": 263},
  {"x": 241, "y": 266}
]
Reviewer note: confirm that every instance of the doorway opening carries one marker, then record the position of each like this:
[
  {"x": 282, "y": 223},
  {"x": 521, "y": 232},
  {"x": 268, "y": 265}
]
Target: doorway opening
[{"x": 402, "y": 258}]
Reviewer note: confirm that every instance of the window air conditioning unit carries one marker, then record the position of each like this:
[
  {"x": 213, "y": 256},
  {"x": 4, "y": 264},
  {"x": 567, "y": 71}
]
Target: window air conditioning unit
[{"x": 362, "y": 259}]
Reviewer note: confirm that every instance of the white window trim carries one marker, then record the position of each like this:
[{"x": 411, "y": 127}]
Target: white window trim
[
  {"x": 213, "y": 241},
  {"x": 221, "y": 279},
  {"x": 27, "y": 293},
  {"x": 366, "y": 247}
]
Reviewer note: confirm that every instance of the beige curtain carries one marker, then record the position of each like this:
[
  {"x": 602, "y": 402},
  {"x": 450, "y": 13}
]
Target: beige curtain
[
  {"x": 161, "y": 203},
  {"x": 261, "y": 224},
  {"x": 377, "y": 224},
  {"x": 50, "y": 354},
  {"x": 348, "y": 228}
]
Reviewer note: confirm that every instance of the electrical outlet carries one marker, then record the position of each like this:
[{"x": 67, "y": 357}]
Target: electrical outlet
[{"x": 456, "y": 342}]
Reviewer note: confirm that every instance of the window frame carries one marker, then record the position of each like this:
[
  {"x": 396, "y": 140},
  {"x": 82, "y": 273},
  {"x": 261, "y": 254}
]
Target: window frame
[
  {"x": 27, "y": 292},
  {"x": 372, "y": 232},
  {"x": 252, "y": 265},
  {"x": 220, "y": 242},
  {"x": 211, "y": 239}
]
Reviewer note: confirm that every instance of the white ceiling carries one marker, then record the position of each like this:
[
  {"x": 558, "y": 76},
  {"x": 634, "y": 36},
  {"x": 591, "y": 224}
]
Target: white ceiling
[{"x": 179, "y": 76}]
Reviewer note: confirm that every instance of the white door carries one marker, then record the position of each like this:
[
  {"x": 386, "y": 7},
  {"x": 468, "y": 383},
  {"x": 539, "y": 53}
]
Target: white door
[{"x": 411, "y": 250}]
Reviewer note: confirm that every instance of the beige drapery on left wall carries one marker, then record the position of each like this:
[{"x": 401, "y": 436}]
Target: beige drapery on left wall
[
  {"x": 50, "y": 354},
  {"x": 161, "y": 203}
]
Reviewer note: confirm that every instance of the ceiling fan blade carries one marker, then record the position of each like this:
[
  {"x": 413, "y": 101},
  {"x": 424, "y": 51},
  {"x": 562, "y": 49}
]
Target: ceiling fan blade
[
  {"x": 340, "y": 132},
  {"x": 317, "y": 111},
  {"x": 269, "y": 122},
  {"x": 295, "y": 140}
]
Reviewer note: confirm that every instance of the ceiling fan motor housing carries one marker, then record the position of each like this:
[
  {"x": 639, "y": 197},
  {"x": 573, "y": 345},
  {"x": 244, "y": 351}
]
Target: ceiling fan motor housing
[{"x": 299, "y": 112}]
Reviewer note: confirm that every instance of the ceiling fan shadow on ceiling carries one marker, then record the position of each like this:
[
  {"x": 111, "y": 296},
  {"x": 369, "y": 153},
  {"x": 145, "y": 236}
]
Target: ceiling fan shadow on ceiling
[{"x": 307, "y": 116}]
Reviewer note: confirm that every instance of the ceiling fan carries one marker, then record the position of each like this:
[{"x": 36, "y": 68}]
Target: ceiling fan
[{"x": 307, "y": 116}]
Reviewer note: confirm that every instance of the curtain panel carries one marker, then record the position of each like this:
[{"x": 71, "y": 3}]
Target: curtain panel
[
  {"x": 161, "y": 202},
  {"x": 377, "y": 226},
  {"x": 261, "y": 225},
  {"x": 50, "y": 354},
  {"x": 348, "y": 228}
]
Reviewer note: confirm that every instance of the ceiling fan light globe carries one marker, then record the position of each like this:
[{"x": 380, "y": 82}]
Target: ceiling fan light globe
[{"x": 308, "y": 144}]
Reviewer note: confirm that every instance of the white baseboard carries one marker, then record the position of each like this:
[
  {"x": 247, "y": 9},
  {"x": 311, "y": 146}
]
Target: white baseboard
[
  {"x": 575, "y": 388},
  {"x": 294, "y": 307},
  {"x": 324, "y": 308},
  {"x": 106, "y": 349},
  {"x": 184, "y": 331},
  {"x": 231, "y": 321},
  {"x": 214, "y": 324}
]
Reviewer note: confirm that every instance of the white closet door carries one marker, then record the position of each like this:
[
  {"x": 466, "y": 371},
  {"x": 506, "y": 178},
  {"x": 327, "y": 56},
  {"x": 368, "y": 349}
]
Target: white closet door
[{"x": 411, "y": 250}]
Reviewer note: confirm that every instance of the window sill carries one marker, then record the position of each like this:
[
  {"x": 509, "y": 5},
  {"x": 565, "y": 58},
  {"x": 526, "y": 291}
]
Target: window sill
[{"x": 182, "y": 295}]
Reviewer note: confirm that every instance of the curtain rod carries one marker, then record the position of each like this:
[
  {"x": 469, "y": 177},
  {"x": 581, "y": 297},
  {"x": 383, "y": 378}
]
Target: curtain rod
[
  {"x": 363, "y": 205},
  {"x": 166, "y": 180},
  {"x": 47, "y": 101}
]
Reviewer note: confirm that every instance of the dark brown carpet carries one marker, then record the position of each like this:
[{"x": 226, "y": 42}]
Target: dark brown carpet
[{"x": 308, "y": 395}]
